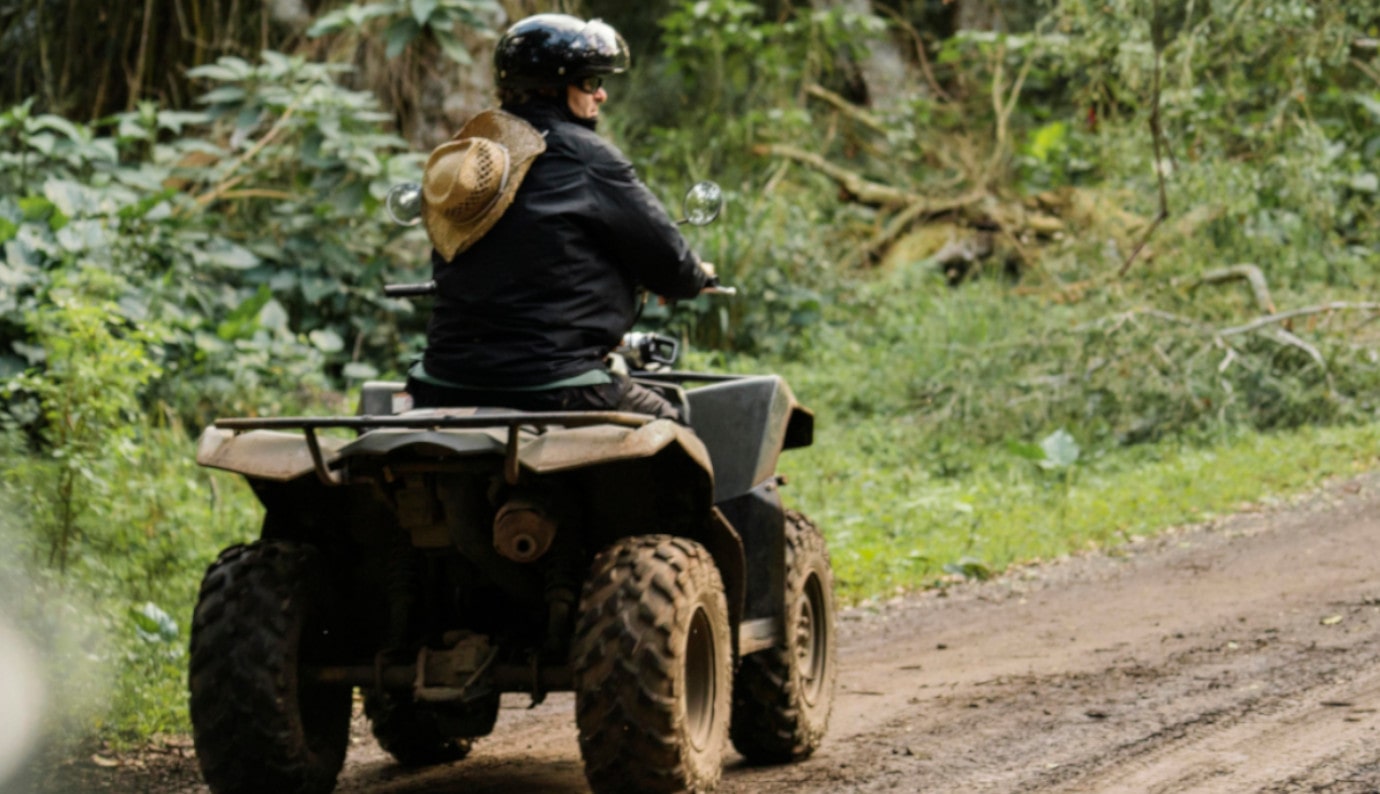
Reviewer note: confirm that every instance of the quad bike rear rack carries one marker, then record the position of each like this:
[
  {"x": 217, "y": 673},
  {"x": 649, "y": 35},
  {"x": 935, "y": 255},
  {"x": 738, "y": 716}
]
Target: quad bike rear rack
[{"x": 514, "y": 421}]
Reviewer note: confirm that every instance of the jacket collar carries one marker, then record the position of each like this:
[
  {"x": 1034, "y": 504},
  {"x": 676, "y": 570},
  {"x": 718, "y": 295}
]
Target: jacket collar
[{"x": 543, "y": 113}]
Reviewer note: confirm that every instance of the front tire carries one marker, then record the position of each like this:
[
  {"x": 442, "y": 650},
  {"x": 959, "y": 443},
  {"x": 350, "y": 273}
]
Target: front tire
[
  {"x": 263, "y": 614},
  {"x": 783, "y": 695},
  {"x": 652, "y": 660}
]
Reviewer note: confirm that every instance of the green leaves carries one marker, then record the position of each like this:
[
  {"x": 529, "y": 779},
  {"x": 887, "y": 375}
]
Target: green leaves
[
  {"x": 411, "y": 21},
  {"x": 1056, "y": 451},
  {"x": 1060, "y": 450},
  {"x": 153, "y": 625}
]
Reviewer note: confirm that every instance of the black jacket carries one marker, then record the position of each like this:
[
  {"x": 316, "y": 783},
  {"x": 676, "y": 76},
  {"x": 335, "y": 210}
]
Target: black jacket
[{"x": 554, "y": 285}]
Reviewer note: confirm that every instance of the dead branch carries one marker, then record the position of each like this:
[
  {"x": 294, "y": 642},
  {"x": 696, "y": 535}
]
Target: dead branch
[
  {"x": 1004, "y": 107},
  {"x": 861, "y": 189},
  {"x": 1291, "y": 340},
  {"x": 845, "y": 107},
  {"x": 1243, "y": 272},
  {"x": 1274, "y": 319},
  {"x": 903, "y": 220},
  {"x": 220, "y": 190},
  {"x": 268, "y": 193}
]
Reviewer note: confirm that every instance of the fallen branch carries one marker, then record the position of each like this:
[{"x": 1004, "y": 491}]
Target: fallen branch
[
  {"x": 1243, "y": 272},
  {"x": 210, "y": 196},
  {"x": 871, "y": 250},
  {"x": 1275, "y": 319},
  {"x": 860, "y": 188},
  {"x": 847, "y": 108}
]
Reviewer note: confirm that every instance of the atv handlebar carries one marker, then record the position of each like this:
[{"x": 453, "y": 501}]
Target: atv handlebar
[
  {"x": 427, "y": 288},
  {"x": 409, "y": 290}
]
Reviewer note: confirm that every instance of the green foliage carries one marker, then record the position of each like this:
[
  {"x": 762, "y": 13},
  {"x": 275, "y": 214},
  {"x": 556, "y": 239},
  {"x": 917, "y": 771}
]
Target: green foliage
[
  {"x": 729, "y": 75},
  {"x": 96, "y": 361},
  {"x": 404, "y": 23},
  {"x": 257, "y": 247},
  {"x": 112, "y": 629}
]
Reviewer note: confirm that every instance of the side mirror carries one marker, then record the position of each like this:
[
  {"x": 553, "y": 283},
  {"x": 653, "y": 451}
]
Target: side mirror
[
  {"x": 703, "y": 203},
  {"x": 404, "y": 204}
]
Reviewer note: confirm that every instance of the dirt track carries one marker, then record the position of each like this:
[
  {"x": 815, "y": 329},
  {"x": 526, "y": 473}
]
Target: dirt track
[{"x": 1239, "y": 657}]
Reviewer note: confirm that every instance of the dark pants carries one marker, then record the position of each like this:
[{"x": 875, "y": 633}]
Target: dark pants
[{"x": 620, "y": 395}]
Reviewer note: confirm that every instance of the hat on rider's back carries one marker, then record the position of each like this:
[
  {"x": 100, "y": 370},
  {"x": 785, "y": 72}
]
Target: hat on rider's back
[{"x": 470, "y": 180}]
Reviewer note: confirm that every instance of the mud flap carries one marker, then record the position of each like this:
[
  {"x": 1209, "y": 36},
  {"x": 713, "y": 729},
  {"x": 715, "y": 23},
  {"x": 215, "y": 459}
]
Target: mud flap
[{"x": 760, "y": 520}]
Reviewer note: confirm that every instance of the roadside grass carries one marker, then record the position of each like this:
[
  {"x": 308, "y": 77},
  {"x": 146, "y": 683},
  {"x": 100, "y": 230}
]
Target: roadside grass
[
  {"x": 113, "y": 627},
  {"x": 894, "y": 527}
]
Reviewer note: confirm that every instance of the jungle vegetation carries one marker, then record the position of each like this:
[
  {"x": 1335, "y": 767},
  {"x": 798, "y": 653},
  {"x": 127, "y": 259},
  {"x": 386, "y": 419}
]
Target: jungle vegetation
[{"x": 1051, "y": 273}]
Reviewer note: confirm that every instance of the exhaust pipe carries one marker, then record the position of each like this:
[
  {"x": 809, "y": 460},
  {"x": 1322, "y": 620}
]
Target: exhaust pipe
[{"x": 522, "y": 531}]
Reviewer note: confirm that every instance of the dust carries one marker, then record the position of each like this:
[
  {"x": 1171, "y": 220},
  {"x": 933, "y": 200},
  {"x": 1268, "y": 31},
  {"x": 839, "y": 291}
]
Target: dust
[{"x": 54, "y": 676}]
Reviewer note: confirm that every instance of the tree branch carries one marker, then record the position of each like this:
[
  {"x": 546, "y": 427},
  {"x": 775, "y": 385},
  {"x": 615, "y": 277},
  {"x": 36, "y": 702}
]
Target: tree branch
[
  {"x": 1243, "y": 272},
  {"x": 219, "y": 190},
  {"x": 1275, "y": 319},
  {"x": 846, "y": 108},
  {"x": 857, "y": 186},
  {"x": 920, "y": 53},
  {"x": 902, "y": 221}
]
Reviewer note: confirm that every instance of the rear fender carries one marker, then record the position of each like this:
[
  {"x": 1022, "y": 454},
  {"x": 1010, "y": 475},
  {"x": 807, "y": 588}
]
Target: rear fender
[{"x": 263, "y": 454}]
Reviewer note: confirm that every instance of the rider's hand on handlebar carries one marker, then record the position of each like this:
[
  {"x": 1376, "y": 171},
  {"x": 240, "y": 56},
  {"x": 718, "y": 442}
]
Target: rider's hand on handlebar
[{"x": 713, "y": 279}]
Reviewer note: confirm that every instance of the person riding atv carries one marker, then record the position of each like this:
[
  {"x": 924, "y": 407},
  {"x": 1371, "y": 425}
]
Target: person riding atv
[
  {"x": 525, "y": 520},
  {"x": 544, "y": 237}
]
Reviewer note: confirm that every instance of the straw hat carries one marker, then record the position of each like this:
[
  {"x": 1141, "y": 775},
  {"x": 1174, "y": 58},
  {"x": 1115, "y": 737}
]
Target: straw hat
[{"x": 471, "y": 179}]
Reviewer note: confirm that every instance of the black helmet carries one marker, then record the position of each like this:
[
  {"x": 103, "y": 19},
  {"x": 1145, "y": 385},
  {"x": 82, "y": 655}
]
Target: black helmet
[{"x": 557, "y": 49}]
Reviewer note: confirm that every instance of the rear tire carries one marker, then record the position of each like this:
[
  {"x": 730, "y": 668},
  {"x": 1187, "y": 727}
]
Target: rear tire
[
  {"x": 783, "y": 695},
  {"x": 652, "y": 660},
  {"x": 410, "y": 732},
  {"x": 262, "y": 615}
]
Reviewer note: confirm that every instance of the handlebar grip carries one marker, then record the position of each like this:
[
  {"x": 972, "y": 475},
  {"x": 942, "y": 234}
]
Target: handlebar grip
[
  {"x": 409, "y": 290},
  {"x": 713, "y": 287}
]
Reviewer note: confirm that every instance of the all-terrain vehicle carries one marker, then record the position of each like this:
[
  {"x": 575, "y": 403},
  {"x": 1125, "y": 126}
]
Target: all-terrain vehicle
[{"x": 436, "y": 559}]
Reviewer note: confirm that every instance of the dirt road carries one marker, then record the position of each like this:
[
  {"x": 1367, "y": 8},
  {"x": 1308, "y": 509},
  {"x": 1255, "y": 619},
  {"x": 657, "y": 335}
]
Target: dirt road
[{"x": 1244, "y": 657}]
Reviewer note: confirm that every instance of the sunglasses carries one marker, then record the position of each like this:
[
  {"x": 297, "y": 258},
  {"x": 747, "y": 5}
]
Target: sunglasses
[{"x": 590, "y": 85}]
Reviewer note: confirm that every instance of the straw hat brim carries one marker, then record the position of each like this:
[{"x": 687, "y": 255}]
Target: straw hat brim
[{"x": 523, "y": 142}]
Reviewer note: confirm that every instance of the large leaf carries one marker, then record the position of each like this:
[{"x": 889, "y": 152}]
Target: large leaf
[
  {"x": 223, "y": 253},
  {"x": 225, "y": 70},
  {"x": 70, "y": 198},
  {"x": 83, "y": 235},
  {"x": 327, "y": 341},
  {"x": 1061, "y": 450},
  {"x": 225, "y": 95},
  {"x": 273, "y": 316},
  {"x": 401, "y": 33},
  {"x": 152, "y": 624},
  {"x": 422, "y": 9}
]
